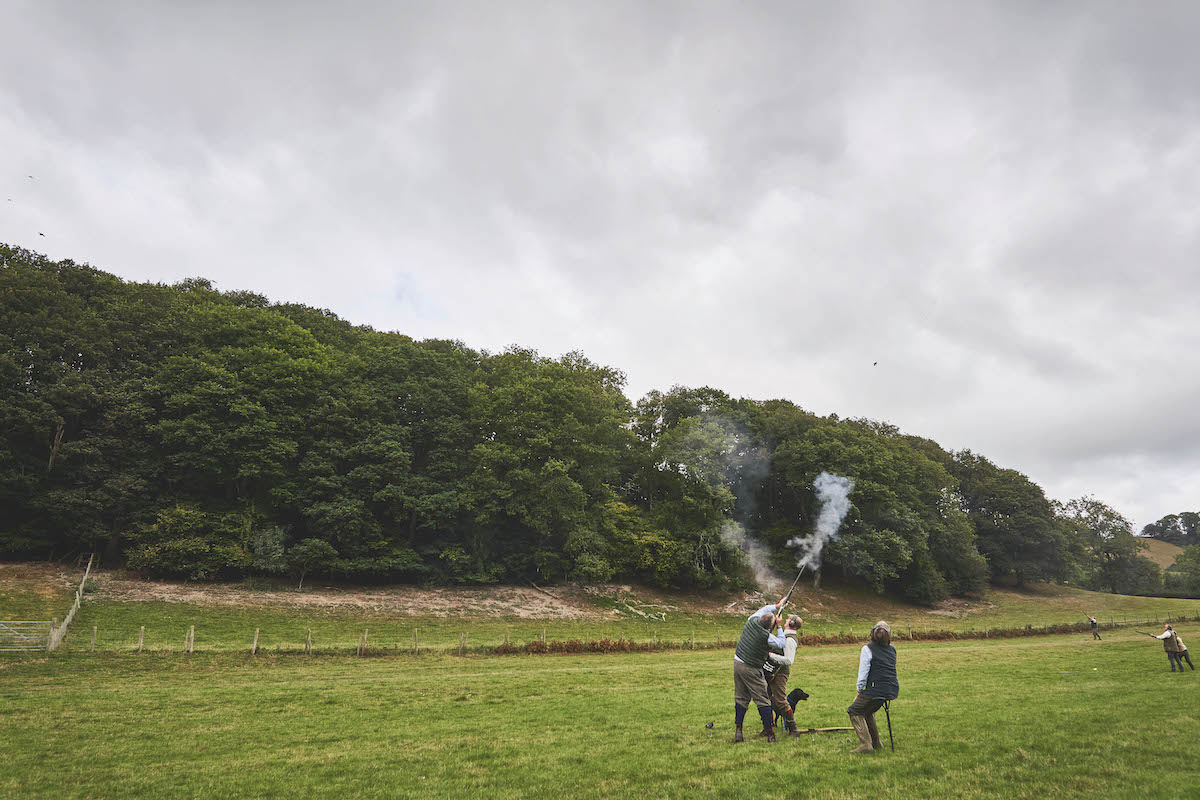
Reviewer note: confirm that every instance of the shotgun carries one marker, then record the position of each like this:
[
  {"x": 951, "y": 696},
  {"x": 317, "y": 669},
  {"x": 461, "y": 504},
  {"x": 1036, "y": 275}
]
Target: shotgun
[{"x": 788, "y": 596}]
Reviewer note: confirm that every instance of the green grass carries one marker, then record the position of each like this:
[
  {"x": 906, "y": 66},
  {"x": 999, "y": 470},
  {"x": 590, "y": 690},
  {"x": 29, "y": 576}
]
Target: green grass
[
  {"x": 231, "y": 628},
  {"x": 228, "y": 628},
  {"x": 26, "y": 593},
  {"x": 1059, "y": 717}
]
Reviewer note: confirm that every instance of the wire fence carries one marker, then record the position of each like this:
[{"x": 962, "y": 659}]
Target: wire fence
[{"x": 390, "y": 643}]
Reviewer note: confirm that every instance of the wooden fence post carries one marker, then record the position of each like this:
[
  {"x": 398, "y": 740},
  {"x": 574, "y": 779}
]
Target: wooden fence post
[
  {"x": 254, "y": 647},
  {"x": 693, "y": 640},
  {"x": 308, "y": 643},
  {"x": 460, "y": 643},
  {"x": 92, "y": 647},
  {"x": 543, "y": 635},
  {"x": 191, "y": 642},
  {"x": 141, "y": 637}
]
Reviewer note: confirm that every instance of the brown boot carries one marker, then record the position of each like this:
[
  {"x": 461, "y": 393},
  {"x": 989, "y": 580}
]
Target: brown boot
[
  {"x": 737, "y": 735},
  {"x": 771, "y": 736},
  {"x": 874, "y": 731},
  {"x": 790, "y": 725},
  {"x": 864, "y": 735}
]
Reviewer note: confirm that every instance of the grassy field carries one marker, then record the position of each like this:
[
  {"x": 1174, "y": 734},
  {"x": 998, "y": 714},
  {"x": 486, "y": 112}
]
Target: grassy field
[
  {"x": 1054, "y": 716},
  {"x": 232, "y": 628},
  {"x": 27, "y": 592},
  {"x": 1161, "y": 553},
  {"x": 284, "y": 626}
]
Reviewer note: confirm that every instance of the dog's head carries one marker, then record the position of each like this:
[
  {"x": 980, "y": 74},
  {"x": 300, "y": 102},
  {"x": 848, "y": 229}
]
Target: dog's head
[{"x": 795, "y": 696}]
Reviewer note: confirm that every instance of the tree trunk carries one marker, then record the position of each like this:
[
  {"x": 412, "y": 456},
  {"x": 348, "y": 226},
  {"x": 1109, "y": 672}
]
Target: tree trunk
[{"x": 58, "y": 434}]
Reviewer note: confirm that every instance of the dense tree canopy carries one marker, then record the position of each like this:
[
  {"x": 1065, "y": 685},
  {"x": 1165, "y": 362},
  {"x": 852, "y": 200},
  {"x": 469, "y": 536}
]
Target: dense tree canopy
[
  {"x": 202, "y": 433},
  {"x": 1182, "y": 529}
]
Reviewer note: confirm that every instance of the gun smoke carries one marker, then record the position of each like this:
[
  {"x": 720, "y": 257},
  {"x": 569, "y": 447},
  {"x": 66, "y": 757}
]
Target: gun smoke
[
  {"x": 756, "y": 552},
  {"x": 833, "y": 493}
]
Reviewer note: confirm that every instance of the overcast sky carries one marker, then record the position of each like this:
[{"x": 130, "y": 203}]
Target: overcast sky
[{"x": 998, "y": 203}]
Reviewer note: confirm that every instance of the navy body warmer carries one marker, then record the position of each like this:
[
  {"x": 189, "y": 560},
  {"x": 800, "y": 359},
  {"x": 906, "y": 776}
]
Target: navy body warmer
[{"x": 881, "y": 677}]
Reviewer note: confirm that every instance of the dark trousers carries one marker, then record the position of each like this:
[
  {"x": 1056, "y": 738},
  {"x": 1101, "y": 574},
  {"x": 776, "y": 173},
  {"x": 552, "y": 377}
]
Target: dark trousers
[
  {"x": 1174, "y": 658},
  {"x": 1183, "y": 655},
  {"x": 1095, "y": 633}
]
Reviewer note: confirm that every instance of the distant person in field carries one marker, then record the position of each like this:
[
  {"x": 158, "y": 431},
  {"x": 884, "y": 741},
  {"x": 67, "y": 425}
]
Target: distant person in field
[
  {"x": 777, "y": 668},
  {"x": 749, "y": 684},
  {"x": 1095, "y": 627},
  {"x": 1176, "y": 649},
  {"x": 877, "y": 684}
]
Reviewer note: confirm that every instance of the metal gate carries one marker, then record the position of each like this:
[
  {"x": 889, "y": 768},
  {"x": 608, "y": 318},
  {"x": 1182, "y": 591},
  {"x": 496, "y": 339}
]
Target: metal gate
[{"x": 24, "y": 635}]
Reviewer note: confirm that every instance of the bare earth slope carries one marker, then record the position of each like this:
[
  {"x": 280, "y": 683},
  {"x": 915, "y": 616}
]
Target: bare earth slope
[{"x": 43, "y": 590}]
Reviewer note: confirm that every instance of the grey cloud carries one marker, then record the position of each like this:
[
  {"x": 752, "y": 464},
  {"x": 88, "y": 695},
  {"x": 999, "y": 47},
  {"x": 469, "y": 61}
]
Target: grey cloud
[{"x": 996, "y": 201}]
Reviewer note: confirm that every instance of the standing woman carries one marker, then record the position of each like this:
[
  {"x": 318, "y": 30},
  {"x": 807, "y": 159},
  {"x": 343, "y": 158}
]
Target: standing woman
[{"x": 877, "y": 684}]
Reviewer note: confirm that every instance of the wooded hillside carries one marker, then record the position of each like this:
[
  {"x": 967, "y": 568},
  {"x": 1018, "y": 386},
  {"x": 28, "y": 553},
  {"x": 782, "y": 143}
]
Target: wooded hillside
[{"x": 199, "y": 433}]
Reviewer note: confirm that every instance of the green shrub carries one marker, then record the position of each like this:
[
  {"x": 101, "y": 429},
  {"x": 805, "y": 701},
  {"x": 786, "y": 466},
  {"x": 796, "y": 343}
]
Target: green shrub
[{"x": 194, "y": 558}]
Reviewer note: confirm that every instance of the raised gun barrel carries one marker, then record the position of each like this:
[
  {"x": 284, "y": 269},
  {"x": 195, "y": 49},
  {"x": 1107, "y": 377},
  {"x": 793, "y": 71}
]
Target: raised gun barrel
[{"x": 788, "y": 596}]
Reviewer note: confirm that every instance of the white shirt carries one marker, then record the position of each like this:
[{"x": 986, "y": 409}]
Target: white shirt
[
  {"x": 864, "y": 666},
  {"x": 789, "y": 651}
]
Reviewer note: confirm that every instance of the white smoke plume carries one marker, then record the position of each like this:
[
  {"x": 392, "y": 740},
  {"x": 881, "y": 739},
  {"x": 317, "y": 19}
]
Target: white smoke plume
[
  {"x": 756, "y": 552},
  {"x": 833, "y": 492}
]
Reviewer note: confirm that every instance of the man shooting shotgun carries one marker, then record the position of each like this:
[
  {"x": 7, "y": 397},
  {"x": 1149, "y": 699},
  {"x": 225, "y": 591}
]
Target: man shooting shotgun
[
  {"x": 755, "y": 642},
  {"x": 1173, "y": 644}
]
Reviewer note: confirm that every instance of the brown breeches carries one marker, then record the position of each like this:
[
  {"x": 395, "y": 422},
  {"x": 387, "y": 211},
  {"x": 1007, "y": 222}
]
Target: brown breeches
[{"x": 749, "y": 684}]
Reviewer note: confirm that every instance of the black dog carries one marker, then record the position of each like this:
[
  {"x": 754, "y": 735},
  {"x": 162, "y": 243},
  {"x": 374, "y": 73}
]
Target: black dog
[{"x": 794, "y": 696}]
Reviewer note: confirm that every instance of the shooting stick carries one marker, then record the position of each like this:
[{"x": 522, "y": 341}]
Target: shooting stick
[
  {"x": 888, "y": 713},
  {"x": 1148, "y": 634}
]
